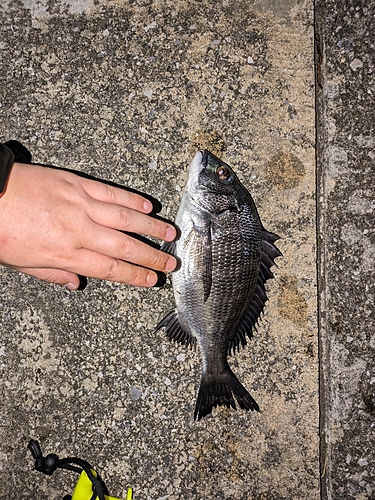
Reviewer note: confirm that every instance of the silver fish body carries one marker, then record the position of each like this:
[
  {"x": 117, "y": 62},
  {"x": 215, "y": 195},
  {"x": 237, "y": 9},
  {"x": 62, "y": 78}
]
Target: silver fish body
[{"x": 225, "y": 258}]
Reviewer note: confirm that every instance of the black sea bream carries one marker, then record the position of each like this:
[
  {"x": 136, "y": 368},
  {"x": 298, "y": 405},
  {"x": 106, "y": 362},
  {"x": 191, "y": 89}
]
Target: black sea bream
[{"x": 226, "y": 256}]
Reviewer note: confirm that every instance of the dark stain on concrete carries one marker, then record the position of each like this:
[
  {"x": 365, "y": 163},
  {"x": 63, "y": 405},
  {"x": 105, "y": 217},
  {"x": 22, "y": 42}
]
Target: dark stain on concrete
[
  {"x": 292, "y": 304},
  {"x": 212, "y": 141},
  {"x": 285, "y": 170}
]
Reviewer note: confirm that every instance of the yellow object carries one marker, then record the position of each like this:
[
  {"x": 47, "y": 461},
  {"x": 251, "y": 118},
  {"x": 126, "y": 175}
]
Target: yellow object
[{"x": 83, "y": 489}]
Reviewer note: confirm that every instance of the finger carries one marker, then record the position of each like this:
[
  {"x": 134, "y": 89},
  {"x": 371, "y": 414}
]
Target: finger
[
  {"x": 96, "y": 265},
  {"x": 57, "y": 276},
  {"x": 122, "y": 246},
  {"x": 126, "y": 219},
  {"x": 118, "y": 196}
]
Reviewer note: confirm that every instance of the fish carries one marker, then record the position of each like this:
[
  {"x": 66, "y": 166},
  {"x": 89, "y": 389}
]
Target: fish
[{"x": 225, "y": 257}]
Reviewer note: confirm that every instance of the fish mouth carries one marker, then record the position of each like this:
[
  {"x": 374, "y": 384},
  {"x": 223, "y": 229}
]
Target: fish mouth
[
  {"x": 204, "y": 160},
  {"x": 199, "y": 164}
]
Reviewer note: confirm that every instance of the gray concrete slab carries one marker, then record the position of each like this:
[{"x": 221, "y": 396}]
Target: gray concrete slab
[
  {"x": 346, "y": 179},
  {"x": 127, "y": 91}
]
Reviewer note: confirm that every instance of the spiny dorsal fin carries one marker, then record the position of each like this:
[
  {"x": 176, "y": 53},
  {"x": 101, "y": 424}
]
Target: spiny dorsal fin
[{"x": 251, "y": 316}]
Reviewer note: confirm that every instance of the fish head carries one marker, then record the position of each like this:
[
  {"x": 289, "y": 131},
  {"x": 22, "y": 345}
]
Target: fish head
[{"x": 213, "y": 185}]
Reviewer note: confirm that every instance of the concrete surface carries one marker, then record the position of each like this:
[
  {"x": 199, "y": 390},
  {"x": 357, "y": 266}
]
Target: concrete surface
[
  {"x": 127, "y": 91},
  {"x": 346, "y": 175}
]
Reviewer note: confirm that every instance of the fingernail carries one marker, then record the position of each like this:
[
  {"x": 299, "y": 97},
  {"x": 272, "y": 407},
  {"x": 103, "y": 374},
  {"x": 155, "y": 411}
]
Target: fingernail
[
  {"x": 171, "y": 264},
  {"x": 170, "y": 233},
  {"x": 147, "y": 205},
  {"x": 71, "y": 286},
  {"x": 151, "y": 278}
]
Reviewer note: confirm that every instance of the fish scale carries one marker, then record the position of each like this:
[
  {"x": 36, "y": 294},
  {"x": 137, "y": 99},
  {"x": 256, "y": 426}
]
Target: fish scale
[
  {"x": 234, "y": 275},
  {"x": 225, "y": 257}
]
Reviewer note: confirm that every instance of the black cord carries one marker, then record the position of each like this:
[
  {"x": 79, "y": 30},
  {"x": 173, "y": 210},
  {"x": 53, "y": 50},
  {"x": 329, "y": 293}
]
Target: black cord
[{"x": 51, "y": 462}]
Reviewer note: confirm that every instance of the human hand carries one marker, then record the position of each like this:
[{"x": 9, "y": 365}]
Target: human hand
[{"x": 55, "y": 225}]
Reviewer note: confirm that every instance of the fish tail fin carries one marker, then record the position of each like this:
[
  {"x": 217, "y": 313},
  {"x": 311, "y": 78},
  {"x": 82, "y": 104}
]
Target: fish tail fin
[{"x": 222, "y": 390}]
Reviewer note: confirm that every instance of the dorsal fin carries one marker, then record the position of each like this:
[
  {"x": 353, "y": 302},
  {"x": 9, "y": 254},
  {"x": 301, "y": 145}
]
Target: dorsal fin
[
  {"x": 174, "y": 330},
  {"x": 251, "y": 316}
]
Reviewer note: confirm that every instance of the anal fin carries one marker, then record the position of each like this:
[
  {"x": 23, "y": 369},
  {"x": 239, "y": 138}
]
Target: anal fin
[{"x": 174, "y": 330}]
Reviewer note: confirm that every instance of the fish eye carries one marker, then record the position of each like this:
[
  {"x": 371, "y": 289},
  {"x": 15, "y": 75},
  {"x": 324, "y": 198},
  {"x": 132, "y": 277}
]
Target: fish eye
[{"x": 223, "y": 172}]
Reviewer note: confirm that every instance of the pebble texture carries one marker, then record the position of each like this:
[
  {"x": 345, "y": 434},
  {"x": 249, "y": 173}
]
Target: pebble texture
[
  {"x": 128, "y": 91},
  {"x": 346, "y": 176}
]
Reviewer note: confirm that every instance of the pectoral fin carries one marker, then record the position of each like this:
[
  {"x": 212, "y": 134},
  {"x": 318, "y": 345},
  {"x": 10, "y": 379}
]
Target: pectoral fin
[
  {"x": 199, "y": 240},
  {"x": 169, "y": 247}
]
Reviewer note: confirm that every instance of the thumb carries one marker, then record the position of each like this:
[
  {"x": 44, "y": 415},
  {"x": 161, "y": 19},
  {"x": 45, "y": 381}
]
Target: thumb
[{"x": 57, "y": 276}]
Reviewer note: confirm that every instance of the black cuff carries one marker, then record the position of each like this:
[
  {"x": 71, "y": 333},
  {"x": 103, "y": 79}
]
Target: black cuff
[{"x": 6, "y": 162}]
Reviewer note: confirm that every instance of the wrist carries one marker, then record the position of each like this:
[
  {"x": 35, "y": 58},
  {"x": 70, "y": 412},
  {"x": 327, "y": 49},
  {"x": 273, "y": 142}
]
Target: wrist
[{"x": 6, "y": 163}]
